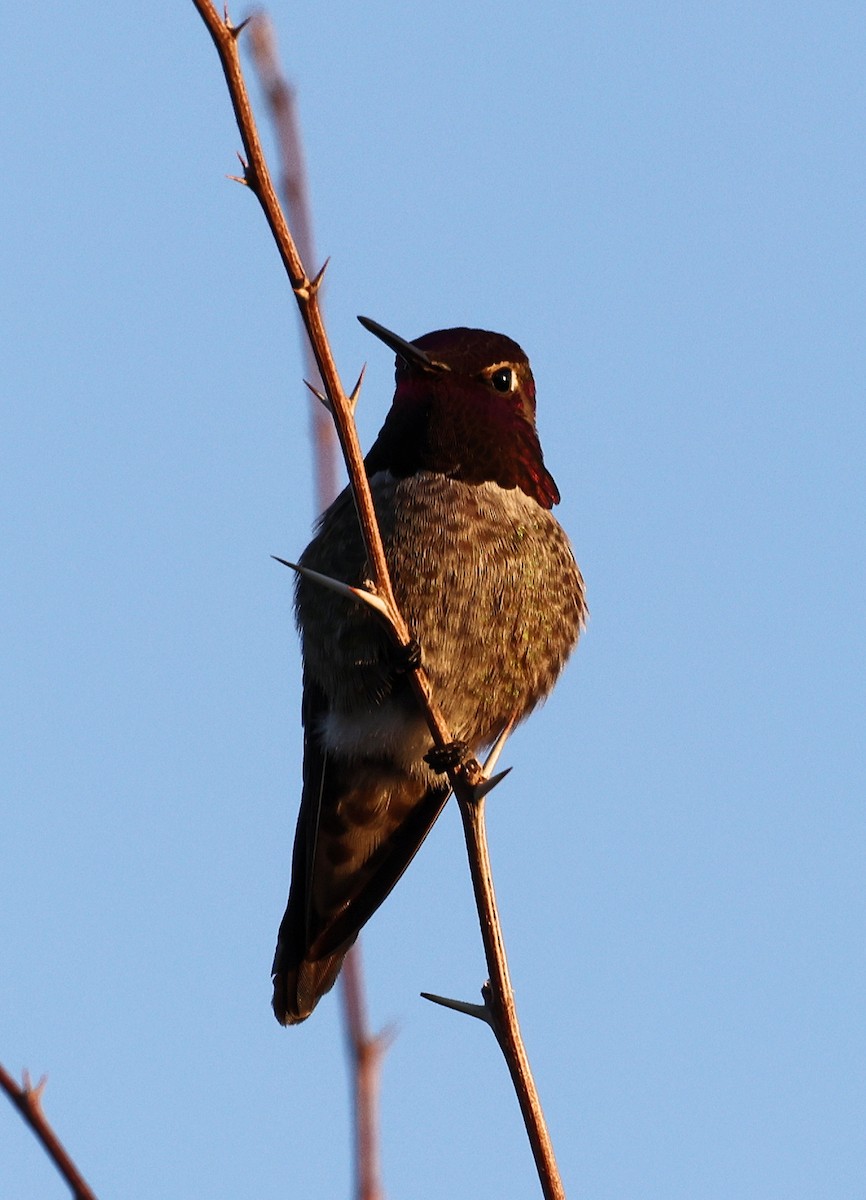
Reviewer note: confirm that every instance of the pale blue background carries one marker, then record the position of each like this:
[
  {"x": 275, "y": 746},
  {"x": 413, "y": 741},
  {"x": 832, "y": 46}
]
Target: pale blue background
[{"x": 664, "y": 203}]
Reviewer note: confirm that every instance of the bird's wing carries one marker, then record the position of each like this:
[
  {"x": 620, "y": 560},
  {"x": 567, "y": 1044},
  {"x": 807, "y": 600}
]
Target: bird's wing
[{"x": 360, "y": 825}]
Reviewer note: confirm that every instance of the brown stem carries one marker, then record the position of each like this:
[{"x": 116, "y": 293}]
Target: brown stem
[
  {"x": 499, "y": 998},
  {"x": 296, "y": 197},
  {"x": 365, "y": 1050},
  {"x": 28, "y": 1101},
  {"x": 466, "y": 777}
]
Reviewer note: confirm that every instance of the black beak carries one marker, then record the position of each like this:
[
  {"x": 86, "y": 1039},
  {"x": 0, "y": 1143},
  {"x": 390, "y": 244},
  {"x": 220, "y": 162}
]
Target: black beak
[{"x": 406, "y": 350}]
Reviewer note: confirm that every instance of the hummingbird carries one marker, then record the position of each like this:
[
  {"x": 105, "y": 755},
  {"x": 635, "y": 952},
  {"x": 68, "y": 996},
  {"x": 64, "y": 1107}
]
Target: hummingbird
[{"x": 487, "y": 582}]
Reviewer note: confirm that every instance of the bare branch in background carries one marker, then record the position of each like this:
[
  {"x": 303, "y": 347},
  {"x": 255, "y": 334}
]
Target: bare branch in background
[
  {"x": 465, "y": 776},
  {"x": 293, "y": 188},
  {"x": 365, "y": 1050},
  {"x": 28, "y": 1100}
]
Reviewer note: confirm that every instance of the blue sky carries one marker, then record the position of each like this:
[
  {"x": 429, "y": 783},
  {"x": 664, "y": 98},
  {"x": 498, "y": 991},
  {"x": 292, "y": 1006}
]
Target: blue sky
[{"x": 663, "y": 203}]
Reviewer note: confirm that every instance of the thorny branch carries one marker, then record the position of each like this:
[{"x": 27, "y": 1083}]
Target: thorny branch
[
  {"x": 28, "y": 1100},
  {"x": 365, "y": 1049},
  {"x": 467, "y": 779}
]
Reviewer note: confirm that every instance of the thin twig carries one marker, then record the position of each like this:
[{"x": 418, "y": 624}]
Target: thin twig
[
  {"x": 499, "y": 997},
  {"x": 28, "y": 1100},
  {"x": 466, "y": 777},
  {"x": 296, "y": 196},
  {"x": 365, "y": 1050}
]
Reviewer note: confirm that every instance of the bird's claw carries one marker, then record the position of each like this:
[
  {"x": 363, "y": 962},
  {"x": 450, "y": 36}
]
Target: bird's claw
[
  {"x": 445, "y": 758},
  {"x": 407, "y": 658}
]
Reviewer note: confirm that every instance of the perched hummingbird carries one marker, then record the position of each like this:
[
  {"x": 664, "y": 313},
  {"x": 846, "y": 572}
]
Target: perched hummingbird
[{"x": 486, "y": 580}]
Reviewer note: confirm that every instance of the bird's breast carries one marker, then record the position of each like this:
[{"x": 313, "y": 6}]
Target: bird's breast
[{"x": 487, "y": 582}]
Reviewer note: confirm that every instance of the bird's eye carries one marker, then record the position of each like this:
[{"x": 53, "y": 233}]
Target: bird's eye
[{"x": 503, "y": 379}]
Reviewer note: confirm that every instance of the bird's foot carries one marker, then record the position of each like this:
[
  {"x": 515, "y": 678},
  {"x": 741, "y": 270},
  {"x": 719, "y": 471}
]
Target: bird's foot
[
  {"x": 445, "y": 758},
  {"x": 407, "y": 658}
]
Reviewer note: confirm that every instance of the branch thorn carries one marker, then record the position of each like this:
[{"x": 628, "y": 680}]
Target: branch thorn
[
  {"x": 487, "y": 785},
  {"x": 498, "y": 746},
  {"x": 237, "y": 30},
  {"x": 245, "y": 179},
  {"x": 342, "y": 589},
  {"x": 319, "y": 395},
  {"x": 356, "y": 390},
  {"x": 36, "y": 1092},
  {"x": 316, "y": 283},
  {"x": 480, "y": 1011}
]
